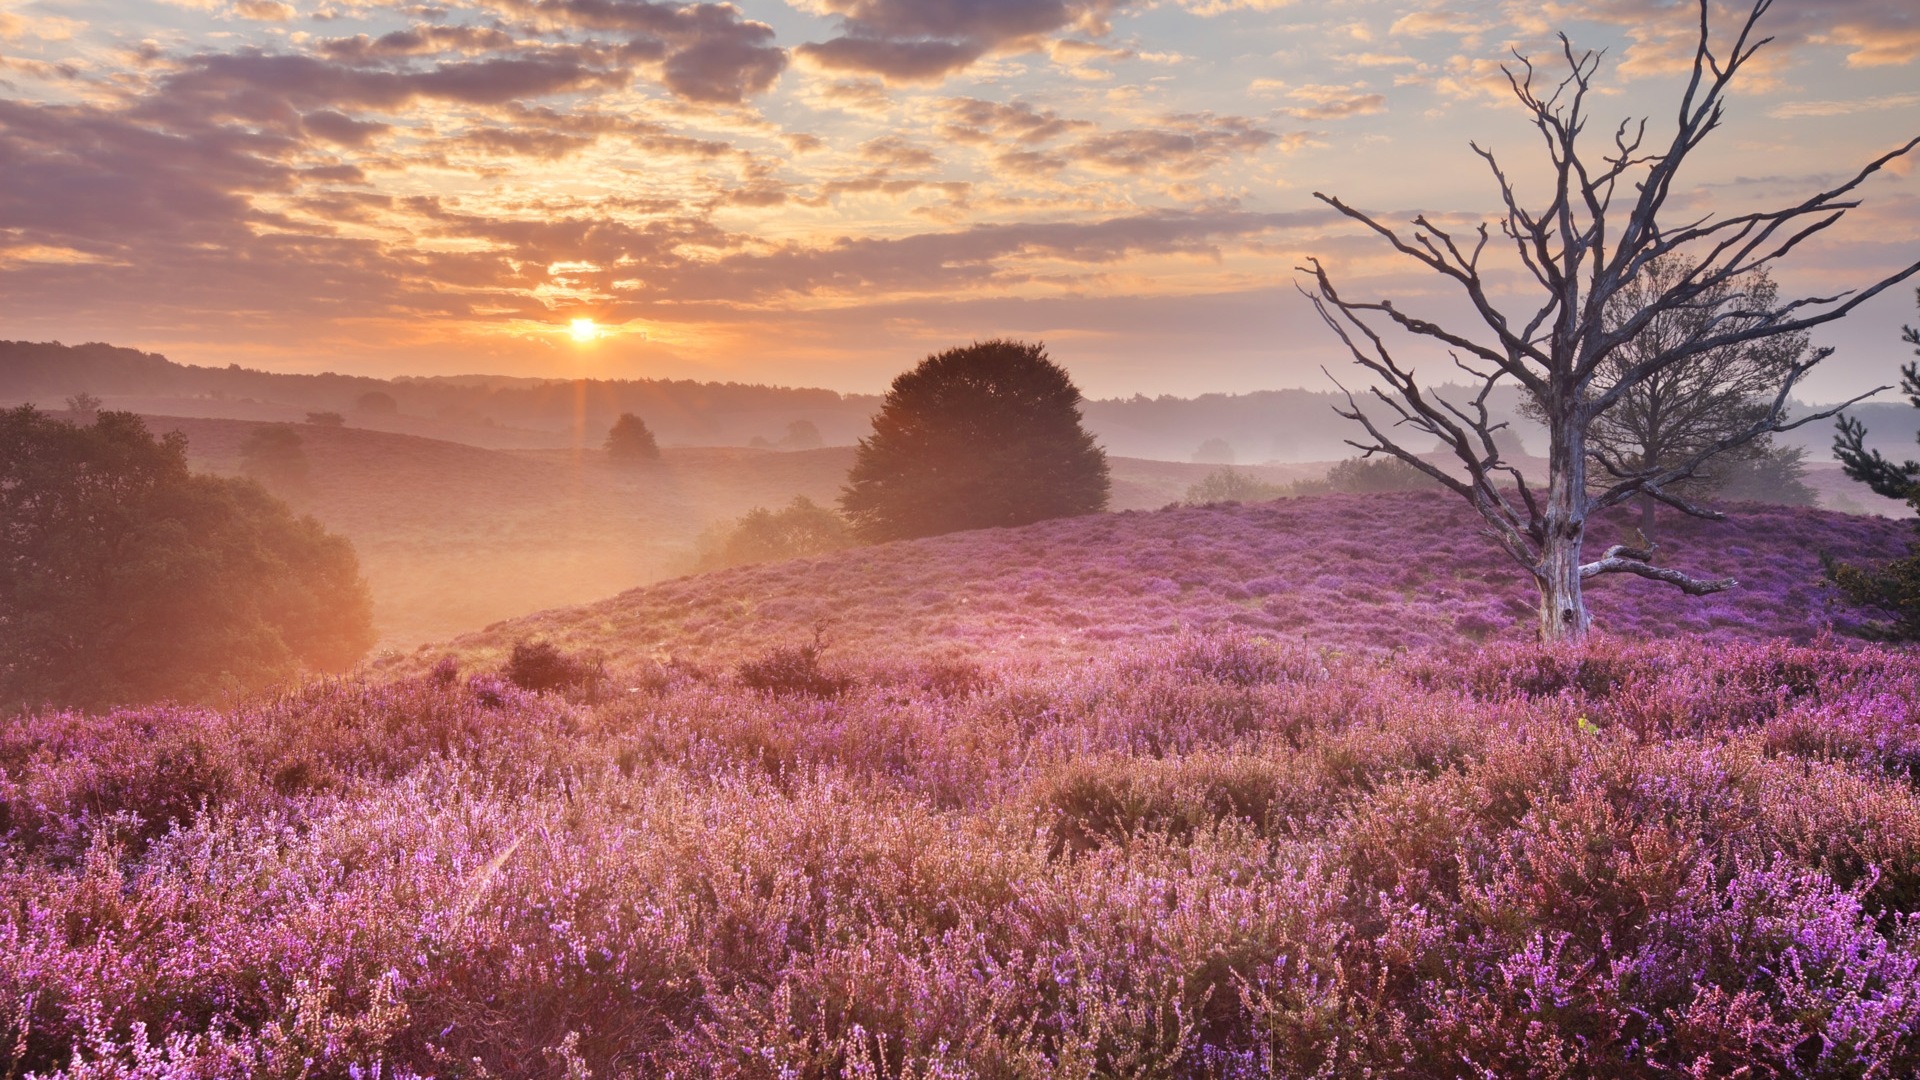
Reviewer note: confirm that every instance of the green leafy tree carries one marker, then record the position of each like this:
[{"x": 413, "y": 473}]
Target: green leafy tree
[
  {"x": 1215, "y": 451},
  {"x": 1777, "y": 473},
  {"x": 1366, "y": 476},
  {"x": 274, "y": 455},
  {"x": 84, "y": 407},
  {"x": 1230, "y": 485},
  {"x": 1868, "y": 466},
  {"x": 1894, "y": 588},
  {"x": 802, "y": 435},
  {"x": 802, "y": 529},
  {"x": 1679, "y": 412},
  {"x": 631, "y": 440},
  {"x": 975, "y": 437},
  {"x": 376, "y": 402},
  {"x": 125, "y": 578}
]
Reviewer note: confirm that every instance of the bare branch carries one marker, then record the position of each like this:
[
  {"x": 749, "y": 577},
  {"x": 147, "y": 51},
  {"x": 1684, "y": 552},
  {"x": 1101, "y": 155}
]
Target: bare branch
[
  {"x": 1616, "y": 342},
  {"x": 1692, "y": 586}
]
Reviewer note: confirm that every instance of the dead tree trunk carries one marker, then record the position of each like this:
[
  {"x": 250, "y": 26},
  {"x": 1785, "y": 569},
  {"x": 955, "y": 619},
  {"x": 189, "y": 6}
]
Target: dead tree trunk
[
  {"x": 1563, "y": 611},
  {"x": 1583, "y": 253}
]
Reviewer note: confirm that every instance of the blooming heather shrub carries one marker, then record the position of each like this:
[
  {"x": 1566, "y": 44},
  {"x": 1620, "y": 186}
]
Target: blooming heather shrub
[
  {"x": 1206, "y": 855},
  {"x": 792, "y": 669},
  {"x": 540, "y": 665}
]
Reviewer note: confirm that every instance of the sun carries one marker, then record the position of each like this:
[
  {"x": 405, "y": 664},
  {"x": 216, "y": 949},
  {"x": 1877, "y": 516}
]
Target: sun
[{"x": 585, "y": 330}]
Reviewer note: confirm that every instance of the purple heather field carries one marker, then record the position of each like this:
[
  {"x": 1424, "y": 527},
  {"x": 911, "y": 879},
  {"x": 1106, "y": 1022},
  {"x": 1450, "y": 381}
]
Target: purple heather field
[
  {"x": 1239, "y": 791},
  {"x": 1370, "y": 572}
]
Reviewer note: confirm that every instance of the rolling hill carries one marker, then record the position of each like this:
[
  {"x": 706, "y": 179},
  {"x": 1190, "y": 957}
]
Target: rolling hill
[
  {"x": 1271, "y": 425},
  {"x": 1135, "y": 795},
  {"x": 453, "y": 536},
  {"x": 1382, "y": 572}
]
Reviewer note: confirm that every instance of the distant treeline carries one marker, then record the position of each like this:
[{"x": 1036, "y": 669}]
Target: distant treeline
[
  {"x": 1225, "y": 429},
  {"x": 677, "y": 410}
]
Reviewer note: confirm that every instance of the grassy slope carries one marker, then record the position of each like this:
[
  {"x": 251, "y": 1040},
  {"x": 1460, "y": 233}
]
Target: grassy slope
[
  {"x": 454, "y": 537},
  {"x": 1373, "y": 572},
  {"x": 1069, "y": 838}
]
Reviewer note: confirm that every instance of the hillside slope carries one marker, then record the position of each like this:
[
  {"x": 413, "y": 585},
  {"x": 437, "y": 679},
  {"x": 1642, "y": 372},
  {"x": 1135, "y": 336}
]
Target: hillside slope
[
  {"x": 453, "y": 537},
  {"x": 1370, "y": 572}
]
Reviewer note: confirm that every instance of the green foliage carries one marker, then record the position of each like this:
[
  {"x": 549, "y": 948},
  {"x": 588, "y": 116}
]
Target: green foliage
[
  {"x": 804, "y": 528},
  {"x": 793, "y": 669},
  {"x": 1363, "y": 475},
  {"x": 274, "y": 455},
  {"x": 1867, "y": 466},
  {"x": 1894, "y": 588},
  {"x": 1227, "y": 485},
  {"x": 631, "y": 440},
  {"x": 125, "y": 578},
  {"x": 540, "y": 665},
  {"x": 1771, "y": 473},
  {"x": 1214, "y": 451},
  {"x": 377, "y": 402},
  {"x": 84, "y": 406},
  {"x": 801, "y": 435},
  {"x": 975, "y": 437}
]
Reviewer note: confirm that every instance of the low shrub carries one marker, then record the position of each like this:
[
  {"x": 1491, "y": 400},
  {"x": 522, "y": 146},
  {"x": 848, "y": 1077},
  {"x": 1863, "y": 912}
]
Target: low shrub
[
  {"x": 540, "y": 665},
  {"x": 793, "y": 669}
]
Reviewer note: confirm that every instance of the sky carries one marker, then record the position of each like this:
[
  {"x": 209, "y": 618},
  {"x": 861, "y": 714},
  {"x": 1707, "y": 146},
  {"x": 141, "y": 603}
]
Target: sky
[{"x": 822, "y": 192}]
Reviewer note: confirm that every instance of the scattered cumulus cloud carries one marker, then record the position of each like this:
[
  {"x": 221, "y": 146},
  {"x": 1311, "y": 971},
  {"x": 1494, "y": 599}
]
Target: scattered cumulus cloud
[
  {"x": 264, "y": 10},
  {"x": 1797, "y": 110},
  {"x": 926, "y": 41},
  {"x": 502, "y": 165},
  {"x": 1324, "y": 102}
]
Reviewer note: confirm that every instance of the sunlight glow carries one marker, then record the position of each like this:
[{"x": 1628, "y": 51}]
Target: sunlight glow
[{"x": 585, "y": 330}]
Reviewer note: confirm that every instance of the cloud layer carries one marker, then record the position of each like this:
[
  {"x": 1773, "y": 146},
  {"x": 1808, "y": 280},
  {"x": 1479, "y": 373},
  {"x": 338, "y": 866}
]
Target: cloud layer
[{"x": 435, "y": 185}]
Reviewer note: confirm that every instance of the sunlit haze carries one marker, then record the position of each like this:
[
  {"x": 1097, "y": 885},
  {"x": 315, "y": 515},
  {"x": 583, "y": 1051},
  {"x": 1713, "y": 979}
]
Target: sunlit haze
[{"x": 820, "y": 192}]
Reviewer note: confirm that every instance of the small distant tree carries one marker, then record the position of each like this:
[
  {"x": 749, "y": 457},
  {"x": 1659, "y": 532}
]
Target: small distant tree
[
  {"x": 1368, "y": 476},
  {"x": 630, "y": 440},
  {"x": 274, "y": 455},
  {"x": 979, "y": 436},
  {"x": 83, "y": 407},
  {"x": 1578, "y": 252},
  {"x": 804, "y": 528},
  {"x": 1214, "y": 451},
  {"x": 802, "y": 435},
  {"x": 326, "y": 419},
  {"x": 1664, "y": 420},
  {"x": 376, "y": 403},
  {"x": 125, "y": 578},
  {"x": 1228, "y": 485},
  {"x": 1775, "y": 474}
]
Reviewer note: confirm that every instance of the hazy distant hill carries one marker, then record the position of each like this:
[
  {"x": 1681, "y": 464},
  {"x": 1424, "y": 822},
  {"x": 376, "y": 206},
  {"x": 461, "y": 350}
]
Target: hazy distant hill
[
  {"x": 453, "y": 537},
  {"x": 510, "y": 412},
  {"x": 484, "y": 410}
]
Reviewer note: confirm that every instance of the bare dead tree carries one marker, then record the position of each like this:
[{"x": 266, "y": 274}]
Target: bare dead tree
[
  {"x": 1582, "y": 251},
  {"x": 1671, "y": 415}
]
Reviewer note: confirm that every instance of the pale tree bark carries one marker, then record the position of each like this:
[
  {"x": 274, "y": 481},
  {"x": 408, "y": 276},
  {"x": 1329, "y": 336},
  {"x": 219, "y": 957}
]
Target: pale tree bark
[{"x": 1579, "y": 251}]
